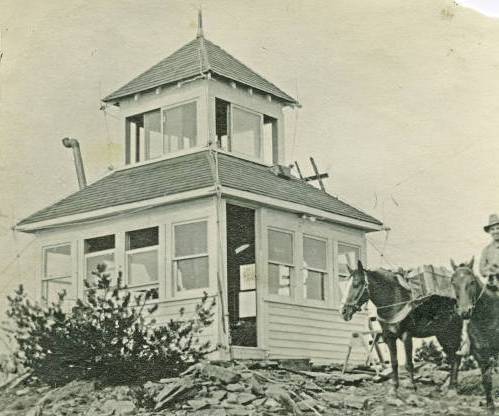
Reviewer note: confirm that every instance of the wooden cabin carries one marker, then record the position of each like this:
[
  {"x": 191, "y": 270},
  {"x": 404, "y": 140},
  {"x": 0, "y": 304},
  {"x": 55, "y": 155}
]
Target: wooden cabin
[{"x": 205, "y": 201}]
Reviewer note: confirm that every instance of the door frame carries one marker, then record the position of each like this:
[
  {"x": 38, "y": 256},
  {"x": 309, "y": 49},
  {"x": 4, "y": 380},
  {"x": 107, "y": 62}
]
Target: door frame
[{"x": 259, "y": 270}]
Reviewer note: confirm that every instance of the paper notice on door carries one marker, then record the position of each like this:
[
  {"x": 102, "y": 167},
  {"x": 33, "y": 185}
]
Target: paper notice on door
[
  {"x": 247, "y": 277},
  {"x": 247, "y": 304}
]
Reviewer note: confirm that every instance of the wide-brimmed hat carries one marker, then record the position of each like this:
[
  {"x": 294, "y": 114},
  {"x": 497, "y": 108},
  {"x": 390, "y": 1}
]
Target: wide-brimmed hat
[{"x": 493, "y": 220}]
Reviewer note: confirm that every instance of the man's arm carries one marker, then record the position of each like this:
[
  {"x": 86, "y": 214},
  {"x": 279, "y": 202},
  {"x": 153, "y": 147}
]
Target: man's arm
[{"x": 484, "y": 263}]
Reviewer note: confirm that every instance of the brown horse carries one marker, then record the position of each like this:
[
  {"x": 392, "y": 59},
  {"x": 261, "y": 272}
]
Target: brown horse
[
  {"x": 399, "y": 319},
  {"x": 479, "y": 303}
]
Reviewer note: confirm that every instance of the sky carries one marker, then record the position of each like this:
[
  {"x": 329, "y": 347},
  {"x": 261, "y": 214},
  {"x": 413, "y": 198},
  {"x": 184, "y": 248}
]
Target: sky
[
  {"x": 399, "y": 105},
  {"x": 487, "y": 7}
]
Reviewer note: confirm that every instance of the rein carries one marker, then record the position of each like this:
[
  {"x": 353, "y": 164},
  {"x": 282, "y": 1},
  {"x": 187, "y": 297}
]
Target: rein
[
  {"x": 484, "y": 287},
  {"x": 356, "y": 302}
]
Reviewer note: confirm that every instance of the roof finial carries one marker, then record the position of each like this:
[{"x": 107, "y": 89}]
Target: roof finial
[{"x": 200, "y": 33}]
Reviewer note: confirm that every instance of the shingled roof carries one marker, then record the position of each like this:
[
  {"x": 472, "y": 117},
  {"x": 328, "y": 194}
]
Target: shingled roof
[
  {"x": 200, "y": 56},
  {"x": 191, "y": 172}
]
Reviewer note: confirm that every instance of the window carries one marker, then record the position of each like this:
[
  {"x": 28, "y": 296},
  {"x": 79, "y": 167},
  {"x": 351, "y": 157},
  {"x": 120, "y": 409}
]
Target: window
[
  {"x": 180, "y": 127},
  {"x": 144, "y": 140},
  {"x": 347, "y": 256},
  {"x": 270, "y": 145},
  {"x": 314, "y": 268},
  {"x": 155, "y": 133},
  {"x": 57, "y": 273},
  {"x": 222, "y": 115},
  {"x": 246, "y": 132},
  {"x": 190, "y": 261},
  {"x": 280, "y": 246},
  {"x": 142, "y": 260},
  {"x": 100, "y": 250}
]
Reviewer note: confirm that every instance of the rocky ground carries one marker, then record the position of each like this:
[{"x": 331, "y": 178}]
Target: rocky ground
[{"x": 251, "y": 388}]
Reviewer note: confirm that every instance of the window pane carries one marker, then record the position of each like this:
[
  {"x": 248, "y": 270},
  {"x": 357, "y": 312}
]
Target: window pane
[
  {"x": 192, "y": 274},
  {"x": 142, "y": 238},
  {"x": 280, "y": 247},
  {"x": 93, "y": 245},
  {"x": 152, "y": 134},
  {"x": 58, "y": 261},
  {"x": 52, "y": 288},
  {"x": 105, "y": 259},
  {"x": 191, "y": 239},
  {"x": 279, "y": 279},
  {"x": 247, "y": 304},
  {"x": 246, "y": 132},
  {"x": 314, "y": 253},
  {"x": 347, "y": 255},
  {"x": 143, "y": 267},
  {"x": 180, "y": 127},
  {"x": 313, "y": 284},
  {"x": 269, "y": 139}
]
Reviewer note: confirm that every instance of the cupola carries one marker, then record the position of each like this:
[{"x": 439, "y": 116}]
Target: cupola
[{"x": 200, "y": 96}]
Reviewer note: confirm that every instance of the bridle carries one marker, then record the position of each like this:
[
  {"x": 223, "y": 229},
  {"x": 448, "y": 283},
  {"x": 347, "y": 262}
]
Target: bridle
[
  {"x": 356, "y": 304},
  {"x": 484, "y": 287}
]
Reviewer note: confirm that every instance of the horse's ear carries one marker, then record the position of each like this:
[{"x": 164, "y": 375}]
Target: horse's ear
[
  {"x": 350, "y": 271},
  {"x": 453, "y": 264},
  {"x": 360, "y": 267},
  {"x": 471, "y": 263}
]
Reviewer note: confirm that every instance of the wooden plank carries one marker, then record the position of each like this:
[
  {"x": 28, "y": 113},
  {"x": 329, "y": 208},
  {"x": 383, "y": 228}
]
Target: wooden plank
[
  {"x": 316, "y": 177},
  {"x": 298, "y": 169},
  {"x": 303, "y": 330},
  {"x": 315, "y": 339},
  {"x": 305, "y": 321},
  {"x": 336, "y": 354},
  {"x": 316, "y": 171}
]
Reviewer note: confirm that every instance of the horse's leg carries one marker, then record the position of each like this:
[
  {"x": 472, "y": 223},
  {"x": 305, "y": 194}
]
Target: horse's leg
[
  {"x": 391, "y": 341},
  {"x": 450, "y": 346},
  {"x": 486, "y": 366},
  {"x": 409, "y": 365}
]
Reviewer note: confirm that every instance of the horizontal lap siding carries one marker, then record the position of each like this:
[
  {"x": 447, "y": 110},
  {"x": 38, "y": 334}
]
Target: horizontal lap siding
[
  {"x": 307, "y": 332},
  {"x": 171, "y": 310}
]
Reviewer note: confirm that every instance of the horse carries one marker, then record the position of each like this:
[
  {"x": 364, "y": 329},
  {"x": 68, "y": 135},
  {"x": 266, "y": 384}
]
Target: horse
[
  {"x": 478, "y": 302},
  {"x": 399, "y": 319}
]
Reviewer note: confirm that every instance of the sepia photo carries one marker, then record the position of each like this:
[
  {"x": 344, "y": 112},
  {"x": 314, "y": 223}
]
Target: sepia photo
[{"x": 234, "y": 208}]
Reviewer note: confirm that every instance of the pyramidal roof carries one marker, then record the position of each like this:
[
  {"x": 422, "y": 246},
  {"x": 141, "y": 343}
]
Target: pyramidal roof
[{"x": 200, "y": 56}]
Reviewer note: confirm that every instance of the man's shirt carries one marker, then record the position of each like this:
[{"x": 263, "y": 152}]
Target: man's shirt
[{"x": 489, "y": 262}]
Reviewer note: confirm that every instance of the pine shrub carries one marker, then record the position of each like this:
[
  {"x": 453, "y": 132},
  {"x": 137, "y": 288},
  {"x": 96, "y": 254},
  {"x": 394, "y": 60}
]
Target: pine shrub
[{"x": 109, "y": 336}]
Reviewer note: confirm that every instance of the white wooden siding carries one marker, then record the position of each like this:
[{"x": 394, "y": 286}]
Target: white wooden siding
[
  {"x": 294, "y": 331},
  {"x": 171, "y": 310}
]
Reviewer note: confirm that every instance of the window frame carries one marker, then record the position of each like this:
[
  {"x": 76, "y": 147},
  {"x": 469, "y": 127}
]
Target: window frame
[
  {"x": 144, "y": 146},
  {"x": 46, "y": 280},
  {"x": 350, "y": 245},
  {"x": 113, "y": 251},
  {"x": 324, "y": 272},
  {"x": 260, "y": 157},
  {"x": 338, "y": 276},
  {"x": 292, "y": 266},
  {"x": 146, "y": 249},
  {"x": 176, "y": 294}
]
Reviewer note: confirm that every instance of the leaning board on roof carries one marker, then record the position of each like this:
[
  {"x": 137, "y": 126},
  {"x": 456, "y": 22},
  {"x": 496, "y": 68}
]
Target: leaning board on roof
[{"x": 428, "y": 280}]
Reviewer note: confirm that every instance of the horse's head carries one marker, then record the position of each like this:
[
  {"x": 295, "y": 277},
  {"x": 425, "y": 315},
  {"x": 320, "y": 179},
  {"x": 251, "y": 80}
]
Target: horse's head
[
  {"x": 357, "y": 293},
  {"x": 466, "y": 287}
]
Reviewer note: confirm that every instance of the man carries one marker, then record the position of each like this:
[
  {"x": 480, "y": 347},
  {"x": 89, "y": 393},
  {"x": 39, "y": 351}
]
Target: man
[
  {"x": 489, "y": 262},
  {"x": 489, "y": 269}
]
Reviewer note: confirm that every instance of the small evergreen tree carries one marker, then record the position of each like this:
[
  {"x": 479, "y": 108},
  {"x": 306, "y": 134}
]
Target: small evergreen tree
[{"x": 107, "y": 336}]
